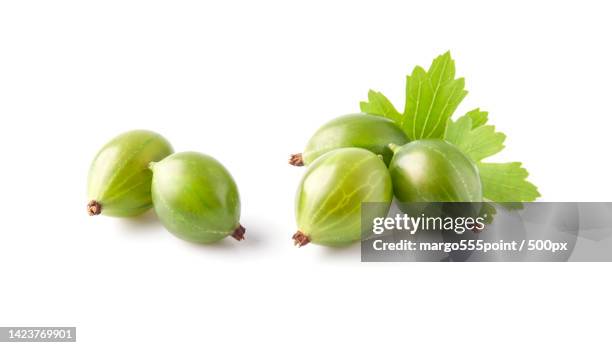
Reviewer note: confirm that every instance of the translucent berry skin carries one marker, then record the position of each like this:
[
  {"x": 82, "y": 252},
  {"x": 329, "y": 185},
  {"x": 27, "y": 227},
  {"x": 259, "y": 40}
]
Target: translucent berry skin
[
  {"x": 364, "y": 131},
  {"x": 119, "y": 182},
  {"x": 434, "y": 171},
  {"x": 329, "y": 197},
  {"x": 195, "y": 197}
]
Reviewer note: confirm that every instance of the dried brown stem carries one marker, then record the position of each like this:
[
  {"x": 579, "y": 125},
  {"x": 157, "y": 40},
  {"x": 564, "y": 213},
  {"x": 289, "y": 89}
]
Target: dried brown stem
[
  {"x": 296, "y": 160},
  {"x": 300, "y": 239},
  {"x": 94, "y": 208},
  {"x": 238, "y": 233}
]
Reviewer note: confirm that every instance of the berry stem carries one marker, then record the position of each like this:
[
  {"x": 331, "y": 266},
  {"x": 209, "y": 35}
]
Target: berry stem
[
  {"x": 393, "y": 147},
  {"x": 296, "y": 160},
  {"x": 94, "y": 208},
  {"x": 238, "y": 233},
  {"x": 300, "y": 239}
]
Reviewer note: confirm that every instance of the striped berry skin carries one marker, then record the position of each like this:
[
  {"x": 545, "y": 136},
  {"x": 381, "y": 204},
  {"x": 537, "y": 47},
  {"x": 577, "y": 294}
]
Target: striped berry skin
[
  {"x": 196, "y": 198},
  {"x": 364, "y": 131},
  {"x": 119, "y": 182},
  {"x": 433, "y": 171},
  {"x": 329, "y": 197}
]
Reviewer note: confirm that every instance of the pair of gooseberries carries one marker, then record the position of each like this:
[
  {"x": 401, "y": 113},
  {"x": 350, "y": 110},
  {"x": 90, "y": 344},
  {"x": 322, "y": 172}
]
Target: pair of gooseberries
[
  {"x": 193, "y": 195},
  {"x": 347, "y": 162}
]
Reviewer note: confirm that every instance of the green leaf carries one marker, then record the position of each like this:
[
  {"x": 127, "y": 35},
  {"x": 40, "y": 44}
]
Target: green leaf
[
  {"x": 506, "y": 182},
  {"x": 477, "y": 142},
  {"x": 502, "y": 182},
  {"x": 479, "y": 118},
  {"x": 378, "y": 104},
  {"x": 431, "y": 98}
]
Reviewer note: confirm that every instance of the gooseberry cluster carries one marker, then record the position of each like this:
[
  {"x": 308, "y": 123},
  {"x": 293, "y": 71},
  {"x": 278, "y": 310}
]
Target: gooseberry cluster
[{"x": 347, "y": 162}]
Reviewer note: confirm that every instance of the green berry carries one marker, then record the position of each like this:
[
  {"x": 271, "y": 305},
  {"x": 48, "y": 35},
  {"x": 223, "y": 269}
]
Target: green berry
[
  {"x": 433, "y": 171},
  {"x": 119, "y": 181},
  {"x": 365, "y": 131},
  {"x": 196, "y": 198},
  {"x": 328, "y": 202}
]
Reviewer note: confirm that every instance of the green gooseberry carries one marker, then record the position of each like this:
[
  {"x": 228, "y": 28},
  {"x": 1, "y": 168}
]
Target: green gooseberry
[
  {"x": 365, "y": 131},
  {"x": 433, "y": 170},
  {"x": 329, "y": 197},
  {"x": 196, "y": 198},
  {"x": 119, "y": 182}
]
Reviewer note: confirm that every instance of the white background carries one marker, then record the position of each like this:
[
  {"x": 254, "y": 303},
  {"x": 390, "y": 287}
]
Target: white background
[{"x": 248, "y": 82}]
